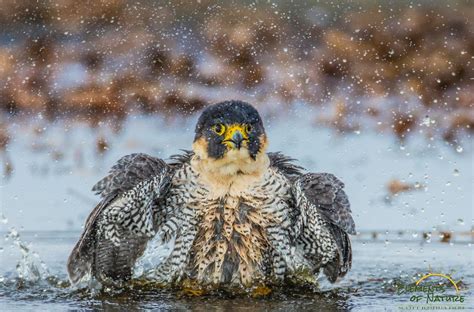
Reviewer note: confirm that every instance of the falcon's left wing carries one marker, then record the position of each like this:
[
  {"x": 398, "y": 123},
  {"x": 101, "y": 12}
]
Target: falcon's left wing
[{"x": 324, "y": 223}]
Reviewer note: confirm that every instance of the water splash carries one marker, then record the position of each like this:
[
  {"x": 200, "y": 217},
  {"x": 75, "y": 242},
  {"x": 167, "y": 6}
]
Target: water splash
[
  {"x": 30, "y": 267},
  {"x": 155, "y": 253}
]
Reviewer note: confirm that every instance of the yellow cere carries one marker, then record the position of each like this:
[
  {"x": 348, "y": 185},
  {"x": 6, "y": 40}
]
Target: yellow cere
[
  {"x": 231, "y": 129},
  {"x": 228, "y": 131}
]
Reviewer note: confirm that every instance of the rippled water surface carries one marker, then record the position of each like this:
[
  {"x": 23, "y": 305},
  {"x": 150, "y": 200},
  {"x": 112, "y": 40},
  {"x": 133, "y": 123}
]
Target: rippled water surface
[{"x": 33, "y": 278}]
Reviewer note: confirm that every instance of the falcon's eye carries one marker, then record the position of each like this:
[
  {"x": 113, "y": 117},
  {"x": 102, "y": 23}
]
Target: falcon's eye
[
  {"x": 248, "y": 128},
  {"x": 219, "y": 129}
]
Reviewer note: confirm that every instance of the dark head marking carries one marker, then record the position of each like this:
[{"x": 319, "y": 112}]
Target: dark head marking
[{"x": 215, "y": 119}]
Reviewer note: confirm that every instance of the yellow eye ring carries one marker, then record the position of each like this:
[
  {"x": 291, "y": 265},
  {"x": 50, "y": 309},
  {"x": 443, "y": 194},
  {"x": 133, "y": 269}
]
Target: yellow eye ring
[
  {"x": 219, "y": 129},
  {"x": 248, "y": 128}
]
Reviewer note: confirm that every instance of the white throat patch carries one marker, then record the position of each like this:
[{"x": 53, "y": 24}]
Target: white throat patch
[{"x": 231, "y": 174}]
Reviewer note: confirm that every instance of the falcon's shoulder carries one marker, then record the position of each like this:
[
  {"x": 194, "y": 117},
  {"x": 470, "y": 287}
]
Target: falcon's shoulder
[
  {"x": 178, "y": 160},
  {"x": 285, "y": 165},
  {"x": 326, "y": 192},
  {"x": 128, "y": 172}
]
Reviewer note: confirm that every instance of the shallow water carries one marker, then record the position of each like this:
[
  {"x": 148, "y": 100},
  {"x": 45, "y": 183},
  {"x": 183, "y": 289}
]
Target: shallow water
[{"x": 378, "y": 265}]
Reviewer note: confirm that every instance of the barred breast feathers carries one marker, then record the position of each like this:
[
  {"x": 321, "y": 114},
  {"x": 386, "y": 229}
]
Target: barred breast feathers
[{"x": 247, "y": 215}]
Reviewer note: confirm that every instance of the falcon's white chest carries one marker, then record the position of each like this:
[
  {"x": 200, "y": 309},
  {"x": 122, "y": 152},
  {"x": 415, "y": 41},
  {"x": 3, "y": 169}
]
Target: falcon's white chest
[{"x": 237, "y": 223}]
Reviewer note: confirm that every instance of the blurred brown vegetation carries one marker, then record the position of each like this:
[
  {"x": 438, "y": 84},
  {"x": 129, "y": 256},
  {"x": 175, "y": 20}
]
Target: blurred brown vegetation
[{"x": 394, "y": 65}]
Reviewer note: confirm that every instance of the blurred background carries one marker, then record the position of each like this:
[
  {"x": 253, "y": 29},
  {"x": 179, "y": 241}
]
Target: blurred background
[{"x": 380, "y": 93}]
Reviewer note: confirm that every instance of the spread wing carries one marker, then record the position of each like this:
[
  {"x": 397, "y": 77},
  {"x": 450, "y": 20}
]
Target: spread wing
[
  {"x": 324, "y": 223},
  {"x": 119, "y": 227},
  {"x": 127, "y": 172}
]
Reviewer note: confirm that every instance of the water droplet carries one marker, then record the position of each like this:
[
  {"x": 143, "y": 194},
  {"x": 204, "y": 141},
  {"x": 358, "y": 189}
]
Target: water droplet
[
  {"x": 456, "y": 172},
  {"x": 448, "y": 183},
  {"x": 3, "y": 219},
  {"x": 461, "y": 221},
  {"x": 459, "y": 149},
  {"x": 427, "y": 121}
]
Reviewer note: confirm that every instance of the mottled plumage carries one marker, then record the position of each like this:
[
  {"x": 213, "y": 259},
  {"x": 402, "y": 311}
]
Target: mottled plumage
[{"x": 236, "y": 214}]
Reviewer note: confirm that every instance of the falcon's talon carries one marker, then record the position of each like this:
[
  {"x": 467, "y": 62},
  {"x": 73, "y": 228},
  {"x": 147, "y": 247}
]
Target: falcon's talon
[{"x": 261, "y": 291}]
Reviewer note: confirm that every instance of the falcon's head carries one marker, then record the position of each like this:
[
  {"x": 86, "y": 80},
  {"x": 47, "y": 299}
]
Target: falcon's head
[{"x": 230, "y": 131}]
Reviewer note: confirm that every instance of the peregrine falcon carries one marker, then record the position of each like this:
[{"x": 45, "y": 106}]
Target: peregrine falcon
[{"x": 233, "y": 213}]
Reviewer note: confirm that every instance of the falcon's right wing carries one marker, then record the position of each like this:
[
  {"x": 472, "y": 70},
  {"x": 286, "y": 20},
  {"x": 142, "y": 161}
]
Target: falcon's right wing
[
  {"x": 324, "y": 223},
  {"x": 118, "y": 229}
]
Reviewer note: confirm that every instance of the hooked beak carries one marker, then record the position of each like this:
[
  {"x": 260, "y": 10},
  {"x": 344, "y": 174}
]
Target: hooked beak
[{"x": 235, "y": 137}]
